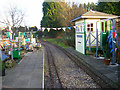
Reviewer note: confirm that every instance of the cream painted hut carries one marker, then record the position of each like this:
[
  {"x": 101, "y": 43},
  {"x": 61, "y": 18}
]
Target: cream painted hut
[{"x": 86, "y": 26}]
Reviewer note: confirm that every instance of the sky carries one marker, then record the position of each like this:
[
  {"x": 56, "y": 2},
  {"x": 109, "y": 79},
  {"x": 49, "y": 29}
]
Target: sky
[{"x": 31, "y": 8}]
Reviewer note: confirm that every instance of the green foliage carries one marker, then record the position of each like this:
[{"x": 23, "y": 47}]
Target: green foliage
[
  {"x": 69, "y": 37},
  {"x": 2, "y": 65},
  {"x": 10, "y": 63},
  {"x": 109, "y": 7},
  {"x": 106, "y": 51},
  {"x": 66, "y": 38},
  {"x": 45, "y": 33},
  {"x": 52, "y": 33},
  {"x": 59, "y": 42},
  {"x": 33, "y": 28},
  {"x": 21, "y": 29},
  {"x": 106, "y": 47},
  {"x": 39, "y": 33},
  {"x": 59, "y": 14},
  {"x": 50, "y": 14}
]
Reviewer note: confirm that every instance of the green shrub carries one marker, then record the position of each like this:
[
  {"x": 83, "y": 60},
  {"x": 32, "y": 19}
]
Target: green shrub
[{"x": 9, "y": 63}]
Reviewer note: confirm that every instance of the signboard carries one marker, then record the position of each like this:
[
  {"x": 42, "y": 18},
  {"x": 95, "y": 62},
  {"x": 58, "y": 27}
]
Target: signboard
[{"x": 80, "y": 44}]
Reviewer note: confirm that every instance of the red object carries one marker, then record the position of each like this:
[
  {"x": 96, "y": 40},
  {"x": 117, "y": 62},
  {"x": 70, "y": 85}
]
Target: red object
[
  {"x": 3, "y": 36},
  {"x": 9, "y": 48},
  {"x": 114, "y": 34}
]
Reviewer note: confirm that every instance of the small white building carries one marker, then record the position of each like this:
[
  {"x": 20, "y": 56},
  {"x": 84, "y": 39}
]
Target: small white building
[{"x": 86, "y": 26}]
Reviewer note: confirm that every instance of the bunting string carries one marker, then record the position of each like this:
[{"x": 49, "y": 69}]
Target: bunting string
[{"x": 64, "y": 28}]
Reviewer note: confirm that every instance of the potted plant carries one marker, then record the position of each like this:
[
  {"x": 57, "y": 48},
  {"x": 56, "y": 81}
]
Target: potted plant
[
  {"x": 107, "y": 54},
  {"x": 106, "y": 61}
]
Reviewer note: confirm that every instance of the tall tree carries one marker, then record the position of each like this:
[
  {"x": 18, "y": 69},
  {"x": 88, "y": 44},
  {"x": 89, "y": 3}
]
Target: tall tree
[
  {"x": 109, "y": 7},
  {"x": 51, "y": 14},
  {"x": 75, "y": 10},
  {"x": 93, "y": 6},
  {"x": 85, "y": 7}
]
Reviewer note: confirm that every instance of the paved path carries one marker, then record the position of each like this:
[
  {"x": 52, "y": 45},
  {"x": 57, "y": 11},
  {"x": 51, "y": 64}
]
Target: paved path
[{"x": 27, "y": 74}]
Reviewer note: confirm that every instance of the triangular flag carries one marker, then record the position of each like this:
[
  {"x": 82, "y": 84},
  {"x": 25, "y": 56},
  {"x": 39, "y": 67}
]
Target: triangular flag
[
  {"x": 69, "y": 28},
  {"x": 112, "y": 27},
  {"x": 74, "y": 26},
  {"x": 43, "y": 29},
  {"x": 114, "y": 34},
  {"x": 58, "y": 28},
  {"x": 64, "y": 29},
  {"x": 1, "y": 28},
  {"x": 48, "y": 29},
  {"x": 9, "y": 33},
  {"x": 54, "y": 28},
  {"x": 79, "y": 27}
]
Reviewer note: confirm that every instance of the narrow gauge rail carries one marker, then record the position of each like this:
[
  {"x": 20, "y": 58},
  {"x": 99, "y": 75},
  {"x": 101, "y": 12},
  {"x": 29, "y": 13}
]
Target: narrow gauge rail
[
  {"x": 54, "y": 77},
  {"x": 97, "y": 77}
]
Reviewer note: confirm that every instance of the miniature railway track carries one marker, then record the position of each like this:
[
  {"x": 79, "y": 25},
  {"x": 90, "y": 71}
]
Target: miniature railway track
[
  {"x": 54, "y": 77},
  {"x": 97, "y": 77}
]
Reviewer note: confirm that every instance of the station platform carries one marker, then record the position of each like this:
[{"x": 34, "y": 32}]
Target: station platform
[
  {"x": 110, "y": 73},
  {"x": 28, "y": 73}
]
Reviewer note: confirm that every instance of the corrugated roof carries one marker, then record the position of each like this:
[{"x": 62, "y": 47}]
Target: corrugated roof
[{"x": 94, "y": 14}]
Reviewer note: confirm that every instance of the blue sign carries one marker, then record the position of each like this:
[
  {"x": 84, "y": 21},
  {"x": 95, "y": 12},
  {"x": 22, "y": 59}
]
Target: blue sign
[{"x": 79, "y": 36}]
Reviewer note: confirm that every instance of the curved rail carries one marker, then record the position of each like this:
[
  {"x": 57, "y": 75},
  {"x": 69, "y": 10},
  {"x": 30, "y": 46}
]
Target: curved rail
[
  {"x": 54, "y": 77},
  {"x": 97, "y": 77}
]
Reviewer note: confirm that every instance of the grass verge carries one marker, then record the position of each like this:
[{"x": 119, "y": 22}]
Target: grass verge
[{"x": 59, "y": 42}]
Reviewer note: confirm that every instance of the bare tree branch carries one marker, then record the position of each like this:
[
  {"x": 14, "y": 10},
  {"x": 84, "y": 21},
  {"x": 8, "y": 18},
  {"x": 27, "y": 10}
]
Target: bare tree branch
[{"x": 15, "y": 17}]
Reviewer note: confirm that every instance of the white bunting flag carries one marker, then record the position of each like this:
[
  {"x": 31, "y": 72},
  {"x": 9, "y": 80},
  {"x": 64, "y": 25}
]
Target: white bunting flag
[
  {"x": 43, "y": 29},
  {"x": 58, "y": 28},
  {"x": 64, "y": 29},
  {"x": 74, "y": 26},
  {"x": 54, "y": 28}
]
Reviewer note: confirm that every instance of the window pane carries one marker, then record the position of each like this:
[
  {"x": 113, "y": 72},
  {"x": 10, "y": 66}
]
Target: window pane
[
  {"x": 91, "y": 24},
  {"x": 91, "y": 29},
  {"x": 88, "y": 29},
  {"x": 88, "y": 25}
]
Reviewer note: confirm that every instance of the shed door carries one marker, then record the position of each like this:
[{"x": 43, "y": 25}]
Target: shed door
[{"x": 80, "y": 44}]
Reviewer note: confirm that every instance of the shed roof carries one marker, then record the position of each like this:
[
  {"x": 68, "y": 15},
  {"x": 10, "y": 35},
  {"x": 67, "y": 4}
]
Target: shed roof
[{"x": 94, "y": 14}]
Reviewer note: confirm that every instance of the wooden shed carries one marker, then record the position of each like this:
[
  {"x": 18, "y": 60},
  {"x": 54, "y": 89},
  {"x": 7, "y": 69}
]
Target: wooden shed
[{"x": 86, "y": 26}]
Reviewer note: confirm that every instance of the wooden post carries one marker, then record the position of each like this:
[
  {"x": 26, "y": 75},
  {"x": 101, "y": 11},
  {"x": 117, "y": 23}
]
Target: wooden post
[
  {"x": 113, "y": 45},
  {"x": 85, "y": 35},
  {"x": 118, "y": 39},
  {"x": 96, "y": 41},
  {"x": 89, "y": 40}
]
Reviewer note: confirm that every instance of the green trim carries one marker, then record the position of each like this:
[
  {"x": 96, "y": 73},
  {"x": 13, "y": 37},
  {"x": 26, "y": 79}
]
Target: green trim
[
  {"x": 85, "y": 24},
  {"x": 93, "y": 48},
  {"x": 118, "y": 34},
  {"x": 104, "y": 53},
  {"x": 79, "y": 32},
  {"x": 108, "y": 25}
]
